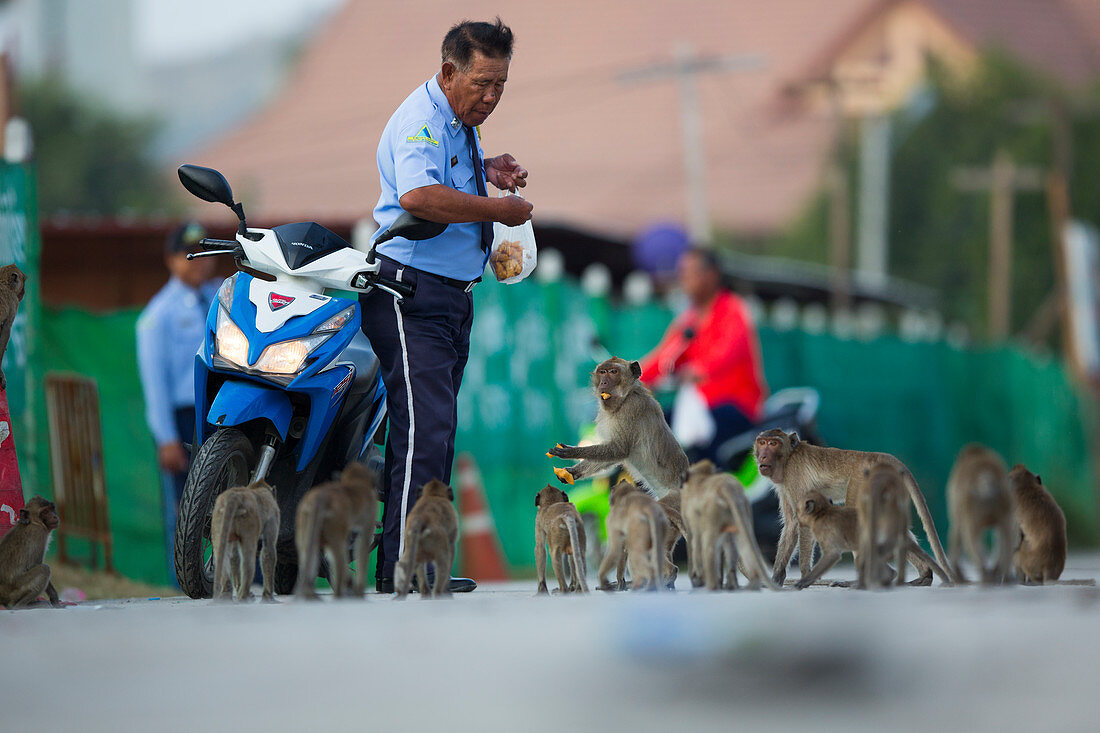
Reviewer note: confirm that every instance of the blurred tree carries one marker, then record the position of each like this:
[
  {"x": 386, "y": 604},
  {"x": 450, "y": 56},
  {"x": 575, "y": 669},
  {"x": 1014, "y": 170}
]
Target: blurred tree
[
  {"x": 90, "y": 160},
  {"x": 939, "y": 235}
]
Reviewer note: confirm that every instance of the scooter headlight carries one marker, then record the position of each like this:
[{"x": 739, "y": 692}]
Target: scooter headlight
[
  {"x": 230, "y": 343},
  {"x": 287, "y": 357}
]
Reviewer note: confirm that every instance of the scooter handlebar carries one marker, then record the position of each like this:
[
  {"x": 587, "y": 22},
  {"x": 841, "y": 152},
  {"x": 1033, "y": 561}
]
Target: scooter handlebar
[
  {"x": 394, "y": 287},
  {"x": 217, "y": 244}
]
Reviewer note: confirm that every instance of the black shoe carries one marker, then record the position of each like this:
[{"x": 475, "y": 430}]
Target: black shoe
[{"x": 456, "y": 585}]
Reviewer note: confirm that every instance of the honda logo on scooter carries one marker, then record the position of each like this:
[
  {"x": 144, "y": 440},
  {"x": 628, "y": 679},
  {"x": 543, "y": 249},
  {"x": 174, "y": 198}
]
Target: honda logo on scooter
[{"x": 277, "y": 301}]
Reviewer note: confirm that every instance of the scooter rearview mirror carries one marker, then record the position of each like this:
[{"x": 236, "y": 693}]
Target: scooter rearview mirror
[{"x": 206, "y": 183}]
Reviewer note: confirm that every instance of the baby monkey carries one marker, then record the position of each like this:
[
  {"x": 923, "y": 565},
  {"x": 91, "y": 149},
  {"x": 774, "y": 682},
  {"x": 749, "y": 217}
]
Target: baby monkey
[
  {"x": 243, "y": 516},
  {"x": 558, "y": 527},
  {"x": 836, "y": 529},
  {"x": 328, "y": 517},
  {"x": 431, "y": 531},
  {"x": 638, "y": 525}
]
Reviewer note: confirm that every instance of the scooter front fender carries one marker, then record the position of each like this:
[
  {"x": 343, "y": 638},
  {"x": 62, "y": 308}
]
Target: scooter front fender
[{"x": 240, "y": 402}]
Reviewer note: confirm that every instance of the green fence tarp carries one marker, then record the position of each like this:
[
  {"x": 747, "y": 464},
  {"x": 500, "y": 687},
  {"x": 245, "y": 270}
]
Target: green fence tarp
[
  {"x": 103, "y": 347},
  {"x": 526, "y": 387}
]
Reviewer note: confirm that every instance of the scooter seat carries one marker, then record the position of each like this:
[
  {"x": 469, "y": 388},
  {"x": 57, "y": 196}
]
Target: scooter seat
[{"x": 360, "y": 353}]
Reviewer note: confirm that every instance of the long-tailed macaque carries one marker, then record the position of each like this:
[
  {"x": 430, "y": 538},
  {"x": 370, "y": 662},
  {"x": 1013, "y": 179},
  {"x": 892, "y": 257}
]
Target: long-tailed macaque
[
  {"x": 796, "y": 468},
  {"x": 558, "y": 526},
  {"x": 12, "y": 287},
  {"x": 1041, "y": 556},
  {"x": 327, "y": 518},
  {"x": 24, "y": 574},
  {"x": 883, "y": 513},
  {"x": 244, "y": 515},
  {"x": 633, "y": 432},
  {"x": 718, "y": 525},
  {"x": 637, "y": 525},
  {"x": 431, "y": 531},
  {"x": 978, "y": 499}
]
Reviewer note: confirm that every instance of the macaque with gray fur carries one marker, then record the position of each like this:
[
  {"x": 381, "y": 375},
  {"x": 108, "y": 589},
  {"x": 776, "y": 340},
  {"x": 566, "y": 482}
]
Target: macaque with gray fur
[
  {"x": 558, "y": 527},
  {"x": 797, "y": 468},
  {"x": 24, "y": 574},
  {"x": 978, "y": 499},
  {"x": 431, "y": 532},
  {"x": 327, "y": 519},
  {"x": 636, "y": 531},
  {"x": 243, "y": 516},
  {"x": 1041, "y": 556},
  {"x": 633, "y": 431}
]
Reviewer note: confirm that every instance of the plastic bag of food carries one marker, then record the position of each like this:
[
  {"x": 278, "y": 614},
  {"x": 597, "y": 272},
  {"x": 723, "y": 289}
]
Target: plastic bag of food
[{"x": 513, "y": 255}]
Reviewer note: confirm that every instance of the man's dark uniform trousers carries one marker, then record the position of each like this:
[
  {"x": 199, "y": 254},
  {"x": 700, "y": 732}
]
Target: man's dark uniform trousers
[{"x": 423, "y": 342}]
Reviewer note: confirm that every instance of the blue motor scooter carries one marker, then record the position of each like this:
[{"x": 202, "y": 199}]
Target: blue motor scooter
[{"x": 287, "y": 387}]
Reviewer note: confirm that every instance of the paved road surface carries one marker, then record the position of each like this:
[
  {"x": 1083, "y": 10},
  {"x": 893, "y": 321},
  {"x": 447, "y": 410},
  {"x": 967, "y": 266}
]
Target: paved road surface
[{"x": 922, "y": 659}]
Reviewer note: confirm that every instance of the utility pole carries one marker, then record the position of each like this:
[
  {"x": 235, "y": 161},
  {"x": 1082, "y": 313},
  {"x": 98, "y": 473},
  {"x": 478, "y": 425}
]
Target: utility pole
[
  {"x": 1003, "y": 179},
  {"x": 685, "y": 70},
  {"x": 874, "y": 198},
  {"x": 840, "y": 250}
]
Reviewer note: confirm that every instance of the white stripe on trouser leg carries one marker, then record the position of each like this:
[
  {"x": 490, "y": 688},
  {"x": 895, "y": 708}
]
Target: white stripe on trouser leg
[{"x": 412, "y": 422}]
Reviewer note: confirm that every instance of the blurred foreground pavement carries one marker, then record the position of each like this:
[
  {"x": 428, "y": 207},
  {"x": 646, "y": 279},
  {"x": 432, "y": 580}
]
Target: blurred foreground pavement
[{"x": 498, "y": 659}]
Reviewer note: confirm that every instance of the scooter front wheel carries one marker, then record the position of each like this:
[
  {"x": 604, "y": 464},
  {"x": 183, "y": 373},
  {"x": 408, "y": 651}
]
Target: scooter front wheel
[{"x": 226, "y": 459}]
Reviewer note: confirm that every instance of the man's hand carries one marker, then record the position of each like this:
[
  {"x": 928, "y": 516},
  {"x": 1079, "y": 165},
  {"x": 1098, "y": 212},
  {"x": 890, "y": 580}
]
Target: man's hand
[
  {"x": 688, "y": 374},
  {"x": 513, "y": 210},
  {"x": 172, "y": 457},
  {"x": 505, "y": 173}
]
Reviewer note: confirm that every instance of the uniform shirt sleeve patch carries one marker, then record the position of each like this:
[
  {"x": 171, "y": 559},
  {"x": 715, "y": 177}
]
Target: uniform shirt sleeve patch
[{"x": 423, "y": 136}]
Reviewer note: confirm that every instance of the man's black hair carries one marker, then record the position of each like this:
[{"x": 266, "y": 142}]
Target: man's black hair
[
  {"x": 493, "y": 40},
  {"x": 707, "y": 257}
]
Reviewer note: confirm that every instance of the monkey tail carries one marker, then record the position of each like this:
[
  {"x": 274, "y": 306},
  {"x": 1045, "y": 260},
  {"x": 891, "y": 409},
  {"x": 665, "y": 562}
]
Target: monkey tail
[
  {"x": 221, "y": 546},
  {"x": 756, "y": 562},
  {"x": 658, "y": 544},
  {"x": 929, "y": 527},
  {"x": 403, "y": 571},
  {"x": 310, "y": 555},
  {"x": 578, "y": 554}
]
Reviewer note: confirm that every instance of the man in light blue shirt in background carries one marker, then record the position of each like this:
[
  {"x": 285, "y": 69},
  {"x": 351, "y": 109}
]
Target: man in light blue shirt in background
[
  {"x": 430, "y": 164},
  {"x": 169, "y": 333}
]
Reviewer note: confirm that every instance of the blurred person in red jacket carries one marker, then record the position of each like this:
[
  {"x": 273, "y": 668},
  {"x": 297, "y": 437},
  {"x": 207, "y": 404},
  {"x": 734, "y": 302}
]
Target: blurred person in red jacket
[{"x": 713, "y": 345}]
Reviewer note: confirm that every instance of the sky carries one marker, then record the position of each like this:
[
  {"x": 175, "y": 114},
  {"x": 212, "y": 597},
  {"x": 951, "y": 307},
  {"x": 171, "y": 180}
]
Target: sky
[{"x": 178, "y": 29}]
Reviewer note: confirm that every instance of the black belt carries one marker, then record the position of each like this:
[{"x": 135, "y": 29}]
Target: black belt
[{"x": 463, "y": 285}]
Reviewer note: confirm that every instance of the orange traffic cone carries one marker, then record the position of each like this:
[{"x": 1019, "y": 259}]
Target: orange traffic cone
[
  {"x": 482, "y": 558},
  {"x": 11, "y": 486}
]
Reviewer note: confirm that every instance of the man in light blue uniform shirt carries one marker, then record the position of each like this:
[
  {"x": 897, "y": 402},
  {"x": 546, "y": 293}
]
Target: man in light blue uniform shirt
[
  {"x": 430, "y": 164},
  {"x": 169, "y": 332}
]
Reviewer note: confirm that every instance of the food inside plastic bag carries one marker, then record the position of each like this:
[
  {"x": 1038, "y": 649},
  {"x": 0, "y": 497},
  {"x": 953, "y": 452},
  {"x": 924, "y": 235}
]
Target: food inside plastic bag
[
  {"x": 514, "y": 255},
  {"x": 507, "y": 259}
]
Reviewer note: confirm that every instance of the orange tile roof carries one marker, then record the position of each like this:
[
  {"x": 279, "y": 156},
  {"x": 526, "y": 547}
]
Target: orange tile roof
[{"x": 602, "y": 153}]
